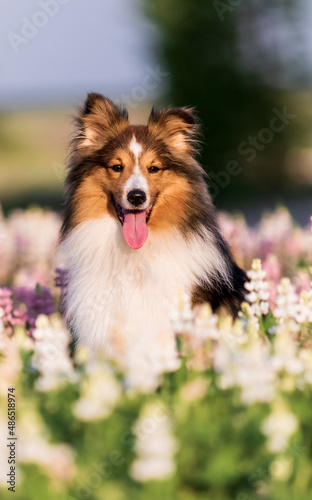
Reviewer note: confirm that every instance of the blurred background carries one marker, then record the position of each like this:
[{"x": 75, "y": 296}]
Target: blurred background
[{"x": 246, "y": 66}]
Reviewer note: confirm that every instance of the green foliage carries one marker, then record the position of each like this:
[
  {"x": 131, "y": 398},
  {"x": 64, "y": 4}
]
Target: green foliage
[
  {"x": 221, "y": 449},
  {"x": 217, "y": 62}
]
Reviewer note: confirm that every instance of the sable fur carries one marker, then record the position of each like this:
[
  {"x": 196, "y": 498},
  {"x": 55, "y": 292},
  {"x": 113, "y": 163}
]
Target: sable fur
[{"x": 182, "y": 211}]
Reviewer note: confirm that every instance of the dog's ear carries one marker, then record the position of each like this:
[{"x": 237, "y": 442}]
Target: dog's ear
[
  {"x": 99, "y": 120},
  {"x": 177, "y": 127}
]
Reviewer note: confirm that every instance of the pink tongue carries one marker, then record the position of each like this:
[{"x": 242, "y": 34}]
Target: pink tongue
[{"x": 134, "y": 228}]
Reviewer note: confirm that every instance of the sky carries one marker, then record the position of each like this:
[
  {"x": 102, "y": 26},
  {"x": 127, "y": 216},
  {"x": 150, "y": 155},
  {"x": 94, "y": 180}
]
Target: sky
[
  {"x": 58, "y": 50},
  {"x": 66, "y": 48}
]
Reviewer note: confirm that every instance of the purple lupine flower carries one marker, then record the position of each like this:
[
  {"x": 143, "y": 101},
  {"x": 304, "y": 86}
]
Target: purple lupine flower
[{"x": 38, "y": 300}]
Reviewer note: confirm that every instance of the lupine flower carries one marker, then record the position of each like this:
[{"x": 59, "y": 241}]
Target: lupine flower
[
  {"x": 197, "y": 325},
  {"x": 11, "y": 365},
  {"x": 37, "y": 301},
  {"x": 147, "y": 359},
  {"x": 287, "y": 309},
  {"x": 100, "y": 393},
  {"x": 57, "y": 460},
  {"x": 278, "y": 427},
  {"x": 182, "y": 314},
  {"x": 51, "y": 353},
  {"x": 286, "y": 354},
  {"x": 249, "y": 368},
  {"x": 258, "y": 295},
  {"x": 10, "y": 317},
  {"x": 28, "y": 241},
  {"x": 36, "y": 233},
  {"x": 155, "y": 446}
]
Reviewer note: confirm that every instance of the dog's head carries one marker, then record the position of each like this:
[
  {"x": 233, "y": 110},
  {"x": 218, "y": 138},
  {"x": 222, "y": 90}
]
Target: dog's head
[{"x": 144, "y": 176}]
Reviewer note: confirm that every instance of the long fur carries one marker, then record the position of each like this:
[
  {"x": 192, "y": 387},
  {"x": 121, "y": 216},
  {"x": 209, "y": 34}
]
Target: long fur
[{"x": 110, "y": 285}]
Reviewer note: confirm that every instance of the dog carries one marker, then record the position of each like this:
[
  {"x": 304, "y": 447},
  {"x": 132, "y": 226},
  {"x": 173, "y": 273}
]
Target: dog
[{"x": 139, "y": 226}]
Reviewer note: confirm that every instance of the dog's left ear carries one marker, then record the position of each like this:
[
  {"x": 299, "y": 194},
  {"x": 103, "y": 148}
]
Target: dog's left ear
[{"x": 177, "y": 127}]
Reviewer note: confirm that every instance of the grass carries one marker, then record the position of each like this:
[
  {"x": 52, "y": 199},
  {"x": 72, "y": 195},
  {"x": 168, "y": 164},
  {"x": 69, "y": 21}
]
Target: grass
[
  {"x": 34, "y": 147},
  {"x": 33, "y": 153}
]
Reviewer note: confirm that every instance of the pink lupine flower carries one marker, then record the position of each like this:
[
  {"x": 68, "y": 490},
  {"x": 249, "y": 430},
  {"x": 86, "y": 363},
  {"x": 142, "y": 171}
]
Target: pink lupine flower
[
  {"x": 273, "y": 269},
  {"x": 10, "y": 316},
  {"x": 6, "y": 303}
]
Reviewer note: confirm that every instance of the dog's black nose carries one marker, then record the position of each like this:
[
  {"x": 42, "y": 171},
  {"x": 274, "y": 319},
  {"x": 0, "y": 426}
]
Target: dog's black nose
[{"x": 136, "y": 197}]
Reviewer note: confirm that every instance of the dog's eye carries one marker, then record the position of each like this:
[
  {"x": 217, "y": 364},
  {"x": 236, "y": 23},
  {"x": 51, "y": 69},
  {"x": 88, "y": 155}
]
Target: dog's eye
[
  {"x": 117, "y": 168},
  {"x": 153, "y": 170}
]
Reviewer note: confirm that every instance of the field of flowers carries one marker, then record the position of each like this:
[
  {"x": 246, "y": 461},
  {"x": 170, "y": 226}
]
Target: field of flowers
[{"x": 226, "y": 416}]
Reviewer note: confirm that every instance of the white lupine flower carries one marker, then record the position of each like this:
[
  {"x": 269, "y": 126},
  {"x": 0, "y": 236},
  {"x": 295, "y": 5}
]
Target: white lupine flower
[
  {"x": 303, "y": 310},
  {"x": 205, "y": 326},
  {"x": 305, "y": 355},
  {"x": 197, "y": 325},
  {"x": 258, "y": 297},
  {"x": 36, "y": 234},
  {"x": 51, "y": 353},
  {"x": 57, "y": 460},
  {"x": 286, "y": 300},
  {"x": 155, "y": 446},
  {"x": 278, "y": 428},
  {"x": 249, "y": 368},
  {"x": 252, "y": 297},
  {"x": 100, "y": 393},
  {"x": 290, "y": 308},
  {"x": 182, "y": 314},
  {"x": 256, "y": 286},
  {"x": 285, "y": 356},
  {"x": 147, "y": 359}
]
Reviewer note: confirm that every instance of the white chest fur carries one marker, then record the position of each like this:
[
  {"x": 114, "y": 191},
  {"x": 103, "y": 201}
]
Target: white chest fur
[{"x": 113, "y": 288}]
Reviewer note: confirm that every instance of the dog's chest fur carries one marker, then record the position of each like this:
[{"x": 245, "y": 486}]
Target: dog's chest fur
[{"x": 113, "y": 288}]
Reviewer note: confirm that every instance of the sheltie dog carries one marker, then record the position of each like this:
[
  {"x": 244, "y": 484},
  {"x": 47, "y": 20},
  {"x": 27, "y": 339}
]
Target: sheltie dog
[{"x": 139, "y": 227}]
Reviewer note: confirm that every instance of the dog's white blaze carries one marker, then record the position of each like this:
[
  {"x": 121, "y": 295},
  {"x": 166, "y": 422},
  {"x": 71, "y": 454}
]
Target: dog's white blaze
[
  {"x": 136, "y": 148},
  {"x": 114, "y": 290},
  {"x": 136, "y": 180}
]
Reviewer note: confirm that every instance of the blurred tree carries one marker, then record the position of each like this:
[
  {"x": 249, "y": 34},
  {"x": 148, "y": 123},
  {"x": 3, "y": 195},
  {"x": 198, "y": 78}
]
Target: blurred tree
[{"x": 233, "y": 60}]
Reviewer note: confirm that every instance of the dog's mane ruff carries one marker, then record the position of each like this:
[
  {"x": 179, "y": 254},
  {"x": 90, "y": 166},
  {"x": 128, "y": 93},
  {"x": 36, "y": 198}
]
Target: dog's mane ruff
[{"x": 110, "y": 284}]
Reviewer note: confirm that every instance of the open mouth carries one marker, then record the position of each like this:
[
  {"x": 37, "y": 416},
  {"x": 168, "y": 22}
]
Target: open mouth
[
  {"x": 134, "y": 224},
  {"x": 121, "y": 212}
]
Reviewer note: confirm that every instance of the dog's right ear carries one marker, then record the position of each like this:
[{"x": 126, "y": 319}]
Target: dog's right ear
[{"x": 99, "y": 120}]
